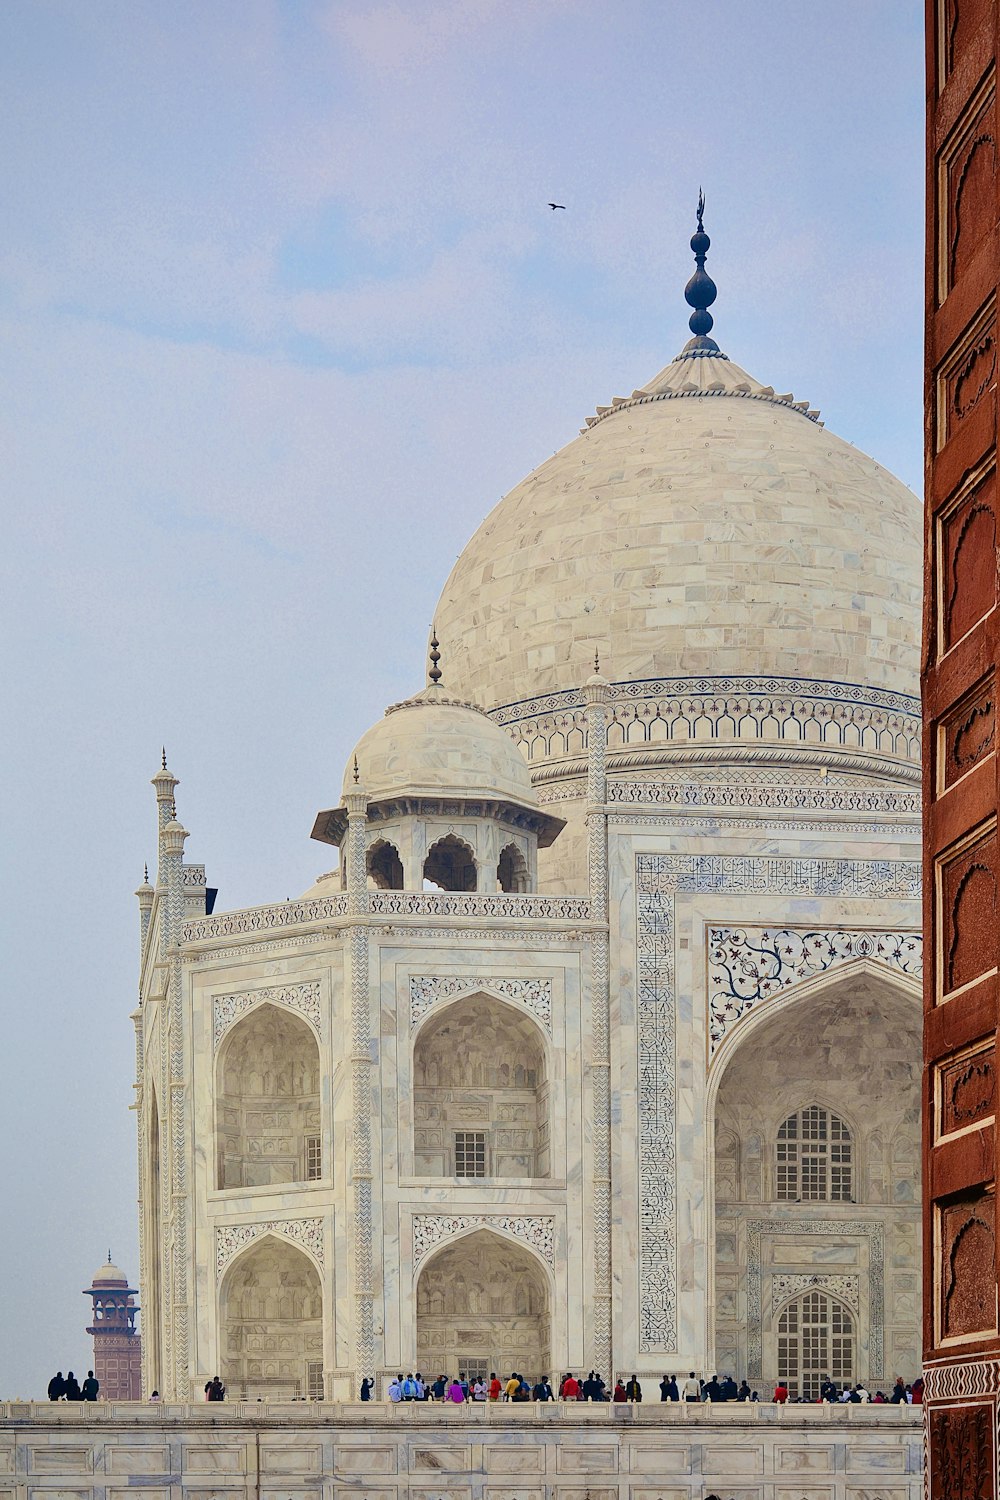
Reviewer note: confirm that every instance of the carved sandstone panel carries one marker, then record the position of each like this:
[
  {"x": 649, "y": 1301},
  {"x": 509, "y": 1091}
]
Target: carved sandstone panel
[
  {"x": 967, "y": 376},
  {"x": 967, "y": 581},
  {"x": 967, "y": 899},
  {"x": 966, "y": 185},
  {"x": 967, "y": 734},
  {"x": 966, "y": 1090},
  {"x": 961, "y": 1453},
  {"x": 967, "y": 1281}
]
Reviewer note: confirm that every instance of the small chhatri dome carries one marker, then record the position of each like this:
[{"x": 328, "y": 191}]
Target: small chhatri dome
[
  {"x": 434, "y": 744},
  {"x": 110, "y": 1275}
]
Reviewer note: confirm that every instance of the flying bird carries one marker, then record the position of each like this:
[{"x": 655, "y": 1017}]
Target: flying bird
[{"x": 557, "y": 205}]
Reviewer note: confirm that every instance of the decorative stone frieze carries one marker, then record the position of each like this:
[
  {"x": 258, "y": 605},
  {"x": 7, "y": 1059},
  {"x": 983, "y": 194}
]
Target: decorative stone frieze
[
  {"x": 301, "y": 997},
  {"x": 428, "y": 990},
  {"x": 784, "y": 1287},
  {"x": 232, "y": 1238},
  {"x": 431, "y": 1230},
  {"x": 227, "y": 1008},
  {"x": 459, "y": 904},
  {"x": 748, "y": 966}
]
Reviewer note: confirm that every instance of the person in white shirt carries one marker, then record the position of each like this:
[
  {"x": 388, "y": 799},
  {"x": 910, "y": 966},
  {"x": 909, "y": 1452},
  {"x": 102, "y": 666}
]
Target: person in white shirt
[
  {"x": 396, "y": 1388},
  {"x": 692, "y": 1388}
]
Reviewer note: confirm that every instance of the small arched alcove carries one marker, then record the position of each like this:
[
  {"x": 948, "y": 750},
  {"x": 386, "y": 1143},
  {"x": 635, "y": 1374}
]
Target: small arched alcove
[
  {"x": 480, "y": 1093},
  {"x": 267, "y": 1107},
  {"x": 450, "y": 865},
  {"x": 384, "y": 866},
  {"x": 482, "y": 1305},
  {"x": 271, "y": 1321},
  {"x": 512, "y": 870}
]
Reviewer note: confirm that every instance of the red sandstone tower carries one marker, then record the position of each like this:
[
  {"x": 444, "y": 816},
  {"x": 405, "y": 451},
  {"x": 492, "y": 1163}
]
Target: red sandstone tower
[
  {"x": 961, "y": 629},
  {"x": 117, "y": 1345}
]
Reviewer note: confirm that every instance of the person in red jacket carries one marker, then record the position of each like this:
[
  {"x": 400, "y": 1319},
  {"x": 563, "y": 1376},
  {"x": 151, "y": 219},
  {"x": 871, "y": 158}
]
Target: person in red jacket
[
  {"x": 780, "y": 1393},
  {"x": 495, "y": 1387},
  {"x": 570, "y": 1389}
]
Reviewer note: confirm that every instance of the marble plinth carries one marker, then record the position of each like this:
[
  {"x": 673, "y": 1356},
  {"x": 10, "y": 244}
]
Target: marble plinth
[{"x": 438, "y": 1452}]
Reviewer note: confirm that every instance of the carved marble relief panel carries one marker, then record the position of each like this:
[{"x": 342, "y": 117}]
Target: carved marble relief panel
[
  {"x": 967, "y": 734},
  {"x": 967, "y": 172},
  {"x": 966, "y": 1090},
  {"x": 966, "y": 892},
  {"x": 961, "y": 1452},
  {"x": 967, "y": 1298}
]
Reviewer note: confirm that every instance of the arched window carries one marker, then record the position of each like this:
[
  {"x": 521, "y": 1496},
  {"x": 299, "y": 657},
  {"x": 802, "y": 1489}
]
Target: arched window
[
  {"x": 814, "y": 1158},
  {"x": 815, "y": 1340},
  {"x": 512, "y": 871},
  {"x": 385, "y": 868},
  {"x": 451, "y": 865}
]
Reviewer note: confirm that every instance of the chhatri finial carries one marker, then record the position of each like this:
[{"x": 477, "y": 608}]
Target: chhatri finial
[
  {"x": 597, "y": 662},
  {"x": 357, "y": 771},
  {"x": 434, "y": 671},
  {"x": 701, "y": 290},
  {"x": 145, "y": 874},
  {"x": 163, "y": 757}
]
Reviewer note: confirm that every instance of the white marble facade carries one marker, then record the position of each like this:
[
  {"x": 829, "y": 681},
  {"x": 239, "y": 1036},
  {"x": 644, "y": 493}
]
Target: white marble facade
[{"x": 634, "y": 1085}]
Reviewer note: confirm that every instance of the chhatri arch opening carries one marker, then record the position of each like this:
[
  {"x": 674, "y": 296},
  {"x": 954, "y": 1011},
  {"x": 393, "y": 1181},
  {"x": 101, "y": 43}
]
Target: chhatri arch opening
[
  {"x": 267, "y": 1103},
  {"x": 816, "y": 1243},
  {"x": 481, "y": 1101},
  {"x": 483, "y": 1304},
  {"x": 271, "y": 1324}
]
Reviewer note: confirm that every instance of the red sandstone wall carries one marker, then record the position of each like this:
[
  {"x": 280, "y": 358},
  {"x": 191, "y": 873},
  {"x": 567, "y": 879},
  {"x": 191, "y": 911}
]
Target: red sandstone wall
[{"x": 962, "y": 1348}]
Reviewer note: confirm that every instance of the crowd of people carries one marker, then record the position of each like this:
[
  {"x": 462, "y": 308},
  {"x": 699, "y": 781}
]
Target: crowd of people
[
  {"x": 515, "y": 1387},
  {"x": 68, "y": 1388}
]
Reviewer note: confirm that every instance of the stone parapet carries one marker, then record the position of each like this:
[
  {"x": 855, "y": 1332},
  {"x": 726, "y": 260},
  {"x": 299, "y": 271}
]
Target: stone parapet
[{"x": 302, "y": 1451}]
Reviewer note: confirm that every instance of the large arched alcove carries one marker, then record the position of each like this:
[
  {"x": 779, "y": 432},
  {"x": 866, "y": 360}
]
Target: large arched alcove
[
  {"x": 267, "y": 1108},
  {"x": 482, "y": 1305},
  {"x": 480, "y": 1093},
  {"x": 271, "y": 1321},
  {"x": 816, "y": 1128}
]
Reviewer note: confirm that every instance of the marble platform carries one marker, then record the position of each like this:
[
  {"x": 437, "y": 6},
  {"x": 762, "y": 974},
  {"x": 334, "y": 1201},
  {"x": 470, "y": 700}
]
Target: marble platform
[{"x": 490, "y": 1452}]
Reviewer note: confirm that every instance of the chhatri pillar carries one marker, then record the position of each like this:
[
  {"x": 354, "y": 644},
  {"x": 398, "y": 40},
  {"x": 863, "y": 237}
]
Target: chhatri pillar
[{"x": 117, "y": 1344}]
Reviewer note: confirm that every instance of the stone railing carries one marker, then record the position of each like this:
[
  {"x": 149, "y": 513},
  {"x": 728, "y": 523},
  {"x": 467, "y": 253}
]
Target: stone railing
[
  {"x": 277, "y": 918},
  {"x": 292, "y": 914}
]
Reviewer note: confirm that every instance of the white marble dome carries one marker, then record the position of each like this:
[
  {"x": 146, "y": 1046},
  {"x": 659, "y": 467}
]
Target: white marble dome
[
  {"x": 703, "y": 527},
  {"x": 436, "y": 745}
]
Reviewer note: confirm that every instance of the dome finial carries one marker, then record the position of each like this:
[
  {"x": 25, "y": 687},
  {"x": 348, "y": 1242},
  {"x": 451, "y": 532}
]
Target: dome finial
[
  {"x": 701, "y": 290},
  {"x": 434, "y": 671}
]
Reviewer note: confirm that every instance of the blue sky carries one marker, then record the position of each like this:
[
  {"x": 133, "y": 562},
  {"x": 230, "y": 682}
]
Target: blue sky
[{"x": 283, "y": 313}]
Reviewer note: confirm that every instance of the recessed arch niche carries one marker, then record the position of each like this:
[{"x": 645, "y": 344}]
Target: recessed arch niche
[
  {"x": 152, "y": 1322},
  {"x": 483, "y": 1301},
  {"x": 846, "y": 1050},
  {"x": 481, "y": 1101},
  {"x": 271, "y": 1322},
  {"x": 268, "y": 1104}
]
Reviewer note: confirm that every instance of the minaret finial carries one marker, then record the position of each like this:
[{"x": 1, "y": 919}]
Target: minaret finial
[
  {"x": 701, "y": 290},
  {"x": 434, "y": 671},
  {"x": 145, "y": 874},
  {"x": 357, "y": 771},
  {"x": 163, "y": 757},
  {"x": 597, "y": 662}
]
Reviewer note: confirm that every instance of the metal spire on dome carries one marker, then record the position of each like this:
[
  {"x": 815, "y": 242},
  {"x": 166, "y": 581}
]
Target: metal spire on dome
[
  {"x": 700, "y": 291},
  {"x": 434, "y": 671}
]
